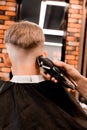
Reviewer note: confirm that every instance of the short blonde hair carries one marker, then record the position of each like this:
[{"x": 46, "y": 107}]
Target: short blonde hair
[{"x": 25, "y": 34}]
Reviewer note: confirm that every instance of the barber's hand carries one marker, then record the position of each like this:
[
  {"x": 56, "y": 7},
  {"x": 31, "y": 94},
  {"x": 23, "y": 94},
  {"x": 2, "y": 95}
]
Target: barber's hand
[
  {"x": 48, "y": 76},
  {"x": 71, "y": 71},
  {"x": 80, "y": 80}
]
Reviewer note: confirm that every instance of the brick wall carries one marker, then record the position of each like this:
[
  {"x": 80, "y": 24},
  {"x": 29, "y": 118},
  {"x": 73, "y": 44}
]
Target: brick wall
[
  {"x": 7, "y": 17},
  {"x": 74, "y": 32}
]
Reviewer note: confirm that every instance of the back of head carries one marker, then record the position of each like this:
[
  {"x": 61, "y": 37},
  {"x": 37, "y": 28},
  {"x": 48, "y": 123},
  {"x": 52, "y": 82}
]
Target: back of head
[
  {"x": 25, "y": 35},
  {"x": 24, "y": 41}
]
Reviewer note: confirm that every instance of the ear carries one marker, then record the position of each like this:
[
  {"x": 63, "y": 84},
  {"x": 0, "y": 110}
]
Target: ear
[
  {"x": 6, "y": 60},
  {"x": 44, "y": 54}
]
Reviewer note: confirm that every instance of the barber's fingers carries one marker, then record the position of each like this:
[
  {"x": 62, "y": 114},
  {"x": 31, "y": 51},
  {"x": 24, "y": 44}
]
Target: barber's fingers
[
  {"x": 63, "y": 65},
  {"x": 60, "y": 63},
  {"x": 45, "y": 75},
  {"x": 69, "y": 70},
  {"x": 48, "y": 77},
  {"x": 54, "y": 80}
]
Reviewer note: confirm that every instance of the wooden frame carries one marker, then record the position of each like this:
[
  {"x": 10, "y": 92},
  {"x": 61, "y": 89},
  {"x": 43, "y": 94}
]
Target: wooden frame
[{"x": 81, "y": 51}]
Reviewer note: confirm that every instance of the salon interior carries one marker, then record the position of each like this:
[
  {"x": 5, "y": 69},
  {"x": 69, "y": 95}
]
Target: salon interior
[{"x": 64, "y": 23}]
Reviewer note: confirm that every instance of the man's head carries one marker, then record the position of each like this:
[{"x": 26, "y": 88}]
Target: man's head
[
  {"x": 24, "y": 41},
  {"x": 25, "y": 35}
]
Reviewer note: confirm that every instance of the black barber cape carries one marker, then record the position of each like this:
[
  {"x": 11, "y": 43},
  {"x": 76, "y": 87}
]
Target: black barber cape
[{"x": 39, "y": 106}]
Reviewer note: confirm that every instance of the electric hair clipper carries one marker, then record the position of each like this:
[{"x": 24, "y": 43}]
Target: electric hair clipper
[{"x": 56, "y": 72}]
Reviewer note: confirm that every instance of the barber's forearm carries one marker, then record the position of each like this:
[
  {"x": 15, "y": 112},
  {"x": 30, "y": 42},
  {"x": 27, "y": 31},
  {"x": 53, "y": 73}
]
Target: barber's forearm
[{"x": 82, "y": 86}]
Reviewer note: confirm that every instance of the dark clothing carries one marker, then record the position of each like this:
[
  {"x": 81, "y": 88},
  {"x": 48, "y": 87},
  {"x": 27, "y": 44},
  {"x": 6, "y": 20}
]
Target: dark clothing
[{"x": 39, "y": 106}]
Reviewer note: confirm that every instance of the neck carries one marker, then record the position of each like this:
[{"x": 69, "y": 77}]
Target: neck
[{"x": 26, "y": 69}]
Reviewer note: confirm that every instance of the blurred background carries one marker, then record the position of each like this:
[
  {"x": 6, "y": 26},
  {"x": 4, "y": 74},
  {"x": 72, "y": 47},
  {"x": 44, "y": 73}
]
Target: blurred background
[{"x": 64, "y": 24}]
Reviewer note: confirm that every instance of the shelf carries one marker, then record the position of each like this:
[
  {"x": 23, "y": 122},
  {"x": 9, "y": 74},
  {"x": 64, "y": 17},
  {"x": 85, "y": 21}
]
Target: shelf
[
  {"x": 54, "y": 32},
  {"x": 53, "y": 44}
]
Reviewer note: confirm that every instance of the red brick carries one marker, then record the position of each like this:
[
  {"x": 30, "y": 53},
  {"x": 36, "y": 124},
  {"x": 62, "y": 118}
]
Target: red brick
[
  {"x": 70, "y": 38},
  {"x": 1, "y": 31},
  {"x": 74, "y": 2},
  {"x": 4, "y": 50},
  {"x": 7, "y": 8},
  {"x": 77, "y": 48},
  {"x": 8, "y": 22},
  {"x": 73, "y": 44},
  {"x": 73, "y": 30},
  {"x": 2, "y": 2},
  {"x": 76, "y": 11},
  {"x": 2, "y": 46},
  {"x": 2, "y": 65},
  {"x": 77, "y": 57},
  {"x": 4, "y": 8},
  {"x": 70, "y": 57},
  {"x": 4, "y": 27},
  {"x": 73, "y": 62},
  {"x": 74, "y": 34},
  {"x": 75, "y": 53},
  {"x": 75, "y": 6},
  {"x": 2, "y": 74},
  {"x": 72, "y": 20},
  {"x": 72, "y": 25},
  {"x": 11, "y": 4},
  {"x": 81, "y": 2},
  {"x": 1, "y": 55},
  {"x": 4, "y": 17},
  {"x": 1, "y": 36},
  {"x": 78, "y": 16},
  {"x": 11, "y": 0},
  {"x": 5, "y": 78},
  {"x": 10, "y": 13},
  {"x": 77, "y": 34},
  {"x": 1, "y": 40},
  {"x": 70, "y": 48},
  {"x": 81, "y": 11},
  {"x": 5, "y": 69}
]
